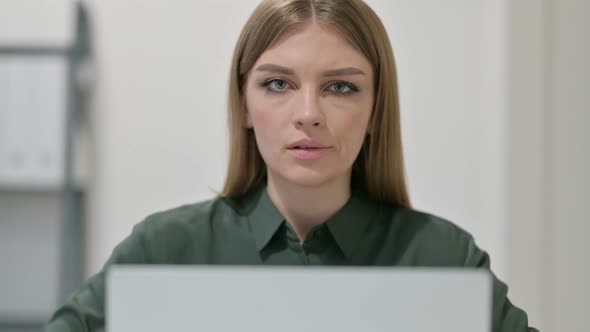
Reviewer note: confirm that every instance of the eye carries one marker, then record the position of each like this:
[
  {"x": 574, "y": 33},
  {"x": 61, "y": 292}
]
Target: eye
[
  {"x": 276, "y": 85},
  {"x": 343, "y": 88}
]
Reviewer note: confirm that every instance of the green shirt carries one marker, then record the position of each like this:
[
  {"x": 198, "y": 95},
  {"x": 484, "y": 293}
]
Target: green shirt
[{"x": 251, "y": 230}]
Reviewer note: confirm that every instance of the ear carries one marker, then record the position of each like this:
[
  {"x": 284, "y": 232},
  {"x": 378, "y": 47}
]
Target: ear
[
  {"x": 248, "y": 121},
  {"x": 246, "y": 116},
  {"x": 370, "y": 124}
]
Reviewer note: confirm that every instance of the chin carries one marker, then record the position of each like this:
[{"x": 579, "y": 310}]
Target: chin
[{"x": 307, "y": 177}]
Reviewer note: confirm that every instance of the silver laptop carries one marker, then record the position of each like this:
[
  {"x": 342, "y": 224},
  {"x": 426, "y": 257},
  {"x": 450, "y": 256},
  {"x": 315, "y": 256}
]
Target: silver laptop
[{"x": 295, "y": 299}]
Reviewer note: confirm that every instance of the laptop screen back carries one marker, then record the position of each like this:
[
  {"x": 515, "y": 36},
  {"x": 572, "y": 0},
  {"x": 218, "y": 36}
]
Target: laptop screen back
[{"x": 296, "y": 299}]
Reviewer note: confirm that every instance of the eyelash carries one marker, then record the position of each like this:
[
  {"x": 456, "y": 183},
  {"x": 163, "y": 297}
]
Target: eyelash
[{"x": 353, "y": 88}]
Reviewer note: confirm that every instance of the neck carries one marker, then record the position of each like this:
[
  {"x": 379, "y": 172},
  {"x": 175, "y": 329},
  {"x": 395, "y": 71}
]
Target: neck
[{"x": 305, "y": 207}]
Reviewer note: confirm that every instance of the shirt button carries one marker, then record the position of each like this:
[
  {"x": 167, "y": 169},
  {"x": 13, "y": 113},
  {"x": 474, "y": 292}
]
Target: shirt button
[{"x": 306, "y": 246}]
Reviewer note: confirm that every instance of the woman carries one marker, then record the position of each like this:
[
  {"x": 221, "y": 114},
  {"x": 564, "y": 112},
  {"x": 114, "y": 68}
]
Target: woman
[{"x": 316, "y": 169}]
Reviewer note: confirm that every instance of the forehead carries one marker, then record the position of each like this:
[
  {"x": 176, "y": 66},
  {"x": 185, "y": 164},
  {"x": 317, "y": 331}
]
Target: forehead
[{"x": 313, "y": 46}]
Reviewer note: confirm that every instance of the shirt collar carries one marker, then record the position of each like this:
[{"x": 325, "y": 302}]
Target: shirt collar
[
  {"x": 265, "y": 219},
  {"x": 347, "y": 226}
]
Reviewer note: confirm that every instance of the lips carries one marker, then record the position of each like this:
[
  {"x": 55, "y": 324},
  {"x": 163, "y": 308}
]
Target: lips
[
  {"x": 306, "y": 143},
  {"x": 308, "y": 149}
]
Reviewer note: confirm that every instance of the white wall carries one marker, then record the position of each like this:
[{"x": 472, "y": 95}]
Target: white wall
[
  {"x": 549, "y": 159},
  {"x": 525, "y": 197},
  {"x": 569, "y": 160},
  {"x": 493, "y": 111}
]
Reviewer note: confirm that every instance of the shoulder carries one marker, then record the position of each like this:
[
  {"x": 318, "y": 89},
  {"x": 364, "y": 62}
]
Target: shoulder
[
  {"x": 167, "y": 235},
  {"x": 427, "y": 239},
  {"x": 186, "y": 215},
  {"x": 427, "y": 225},
  {"x": 194, "y": 216}
]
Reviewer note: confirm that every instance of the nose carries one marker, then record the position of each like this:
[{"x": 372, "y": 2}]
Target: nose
[{"x": 308, "y": 113}]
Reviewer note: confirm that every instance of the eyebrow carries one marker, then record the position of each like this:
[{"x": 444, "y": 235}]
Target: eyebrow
[{"x": 269, "y": 67}]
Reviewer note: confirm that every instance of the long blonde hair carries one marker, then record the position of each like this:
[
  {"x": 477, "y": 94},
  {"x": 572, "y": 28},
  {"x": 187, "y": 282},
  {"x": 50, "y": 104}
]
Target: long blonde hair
[{"x": 379, "y": 167}]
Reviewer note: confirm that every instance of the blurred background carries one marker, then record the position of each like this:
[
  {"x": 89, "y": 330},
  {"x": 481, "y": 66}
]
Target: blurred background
[{"x": 111, "y": 110}]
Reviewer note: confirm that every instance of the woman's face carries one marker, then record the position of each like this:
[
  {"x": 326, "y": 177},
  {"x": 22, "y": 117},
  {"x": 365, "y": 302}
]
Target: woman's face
[{"x": 309, "y": 99}]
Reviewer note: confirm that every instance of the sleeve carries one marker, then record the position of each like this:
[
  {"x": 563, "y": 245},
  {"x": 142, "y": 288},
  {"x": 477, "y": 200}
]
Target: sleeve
[
  {"x": 84, "y": 310},
  {"x": 505, "y": 316}
]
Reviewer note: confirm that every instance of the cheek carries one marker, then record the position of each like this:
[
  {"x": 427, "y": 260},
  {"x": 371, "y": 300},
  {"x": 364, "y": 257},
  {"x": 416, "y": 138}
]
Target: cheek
[
  {"x": 261, "y": 117},
  {"x": 356, "y": 126},
  {"x": 261, "y": 110},
  {"x": 353, "y": 123},
  {"x": 351, "y": 129},
  {"x": 351, "y": 117},
  {"x": 265, "y": 120}
]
